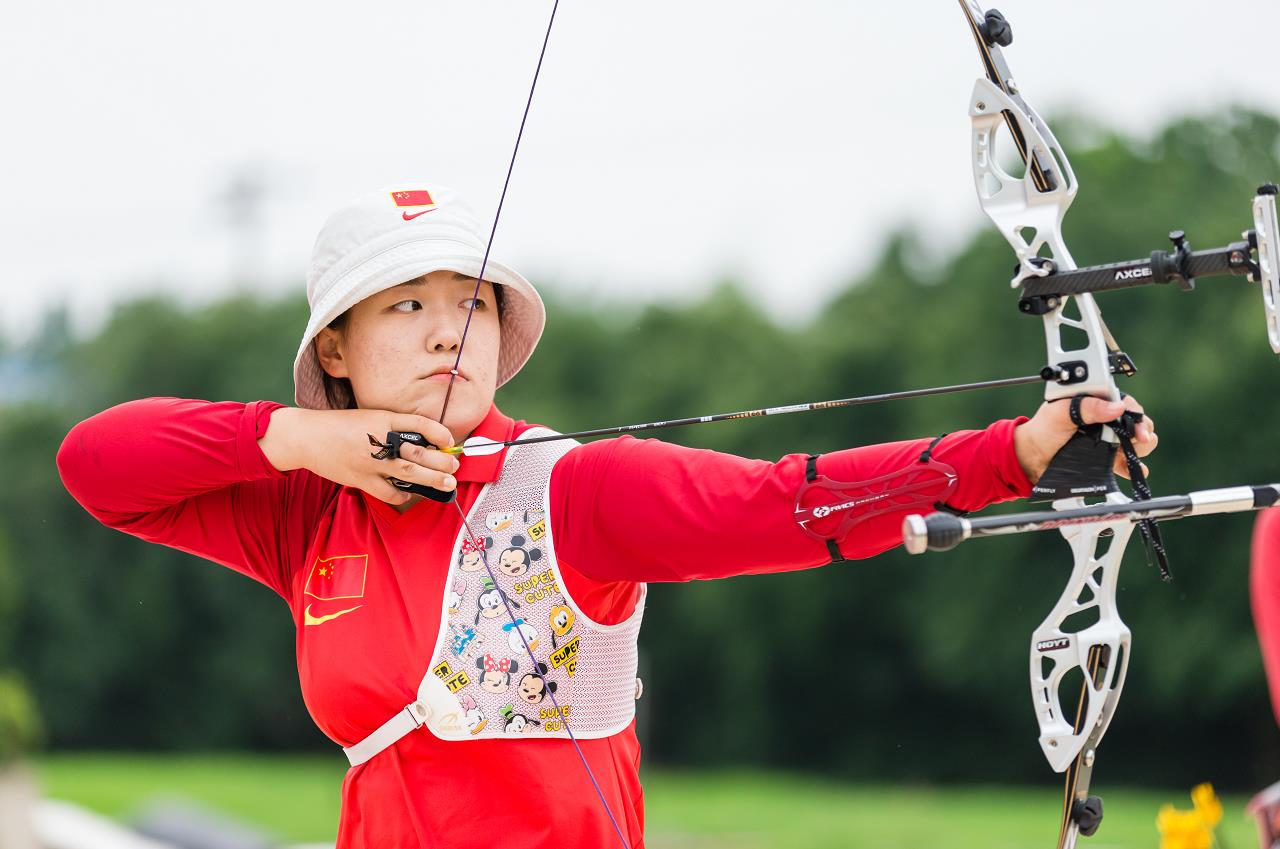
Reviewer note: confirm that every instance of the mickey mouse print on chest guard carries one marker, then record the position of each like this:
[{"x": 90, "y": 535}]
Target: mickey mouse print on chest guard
[
  {"x": 588, "y": 669},
  {"x": 516, "y": 658}
]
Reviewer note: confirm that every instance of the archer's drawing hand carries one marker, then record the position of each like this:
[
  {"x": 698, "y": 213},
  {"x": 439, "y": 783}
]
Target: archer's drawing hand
[
  {"x": 334, "y": 444},
  {"x": 1037, "y": 441}
]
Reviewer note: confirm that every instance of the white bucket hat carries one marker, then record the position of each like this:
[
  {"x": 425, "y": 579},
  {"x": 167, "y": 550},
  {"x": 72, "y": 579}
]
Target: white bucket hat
[{"x": 383, "y": 239}]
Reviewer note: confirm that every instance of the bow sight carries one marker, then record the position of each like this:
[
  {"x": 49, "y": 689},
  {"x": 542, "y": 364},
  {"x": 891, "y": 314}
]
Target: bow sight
[{"x": 1256, "y": 258}]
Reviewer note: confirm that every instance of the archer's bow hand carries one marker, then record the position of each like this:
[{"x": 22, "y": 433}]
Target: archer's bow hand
[{"x": 1039, "y": 439}]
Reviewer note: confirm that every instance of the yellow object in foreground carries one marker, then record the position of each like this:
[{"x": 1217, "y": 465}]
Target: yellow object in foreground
[{"x": 1191, "y": 829}]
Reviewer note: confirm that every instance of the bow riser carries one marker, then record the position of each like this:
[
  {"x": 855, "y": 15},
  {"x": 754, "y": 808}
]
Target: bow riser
[
  {"x": 1029, "y": 215},
  {"x": 1058, "y": 647}
]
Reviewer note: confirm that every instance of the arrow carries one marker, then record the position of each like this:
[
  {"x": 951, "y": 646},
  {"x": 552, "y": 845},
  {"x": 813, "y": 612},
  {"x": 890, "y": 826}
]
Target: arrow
[{"x": 479, "y": 446}]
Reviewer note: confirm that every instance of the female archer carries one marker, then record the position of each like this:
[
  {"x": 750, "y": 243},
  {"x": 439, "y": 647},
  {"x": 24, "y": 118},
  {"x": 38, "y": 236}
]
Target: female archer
[{"x": 476, "y": 658}]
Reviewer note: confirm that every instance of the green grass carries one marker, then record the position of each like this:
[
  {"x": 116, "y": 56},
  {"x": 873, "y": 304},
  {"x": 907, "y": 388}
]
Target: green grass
[
  {"x": 296, "y": 798},
  {"x": 760, "y": 811}
]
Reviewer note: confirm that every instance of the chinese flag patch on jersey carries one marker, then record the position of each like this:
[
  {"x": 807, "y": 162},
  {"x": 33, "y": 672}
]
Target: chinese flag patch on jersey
[{"x": 339, "y": 577}]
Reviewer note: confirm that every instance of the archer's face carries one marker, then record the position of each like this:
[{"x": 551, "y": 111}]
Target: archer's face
[{"x": 398, "y": 346}]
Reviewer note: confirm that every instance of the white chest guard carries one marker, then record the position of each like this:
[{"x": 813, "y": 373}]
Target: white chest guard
[{"x": 481, "y": 683}]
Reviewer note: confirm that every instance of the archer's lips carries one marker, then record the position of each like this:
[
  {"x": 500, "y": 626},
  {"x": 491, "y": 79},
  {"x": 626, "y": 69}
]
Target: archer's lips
[{"x": 443, "y": 376}]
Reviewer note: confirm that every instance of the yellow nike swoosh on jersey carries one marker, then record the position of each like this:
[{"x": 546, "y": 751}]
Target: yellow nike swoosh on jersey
[{"x": 308, "y": 619}]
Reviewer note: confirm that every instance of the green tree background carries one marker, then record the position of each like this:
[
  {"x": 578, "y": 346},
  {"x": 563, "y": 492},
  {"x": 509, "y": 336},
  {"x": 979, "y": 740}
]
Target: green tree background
[{"x": 129, "y": 645}]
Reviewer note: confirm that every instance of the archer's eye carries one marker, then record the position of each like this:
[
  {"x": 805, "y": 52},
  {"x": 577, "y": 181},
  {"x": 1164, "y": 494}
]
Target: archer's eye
[
  {"x": 414, "y": 306},
  {"x": 475, "y": 304}
]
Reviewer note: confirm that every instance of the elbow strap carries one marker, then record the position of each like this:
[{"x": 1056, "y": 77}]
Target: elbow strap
[{"x": 810, "y": 477}]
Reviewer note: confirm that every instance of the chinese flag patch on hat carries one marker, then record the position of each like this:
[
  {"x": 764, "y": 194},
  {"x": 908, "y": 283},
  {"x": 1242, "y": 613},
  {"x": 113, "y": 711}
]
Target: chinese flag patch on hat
[
  {"x": 419, "y": 200},
  {"x": 413, "y": 197}
]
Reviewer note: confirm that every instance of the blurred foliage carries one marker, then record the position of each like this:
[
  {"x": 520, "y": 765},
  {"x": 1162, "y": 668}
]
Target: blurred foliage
[
  {"x": 896, "y": 668},
  {"x": 20, "y": 726}
]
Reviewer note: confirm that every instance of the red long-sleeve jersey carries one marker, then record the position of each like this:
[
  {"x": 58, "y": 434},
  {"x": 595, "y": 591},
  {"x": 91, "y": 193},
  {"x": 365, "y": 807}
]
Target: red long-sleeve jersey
[
  {"x": 190, "y": 475},
  {"x": 1264, "y": 594}
]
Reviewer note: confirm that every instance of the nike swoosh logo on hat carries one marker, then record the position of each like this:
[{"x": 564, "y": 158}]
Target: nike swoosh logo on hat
[
  {"x": 407, "y": 217},
  {"x": 308, "y": 619}
]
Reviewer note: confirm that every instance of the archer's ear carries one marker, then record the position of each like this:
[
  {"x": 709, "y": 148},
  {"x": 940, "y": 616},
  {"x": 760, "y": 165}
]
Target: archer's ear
[{"x": 329, "y": 343}]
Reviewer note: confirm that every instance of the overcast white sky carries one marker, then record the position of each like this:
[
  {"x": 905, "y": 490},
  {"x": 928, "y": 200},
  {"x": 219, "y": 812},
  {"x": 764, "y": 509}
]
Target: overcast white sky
[{"x": 670, "y": 143}]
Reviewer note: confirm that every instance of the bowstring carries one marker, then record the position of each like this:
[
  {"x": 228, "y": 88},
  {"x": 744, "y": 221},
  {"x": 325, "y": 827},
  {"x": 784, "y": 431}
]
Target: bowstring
[{"x": 453, "y": 375}]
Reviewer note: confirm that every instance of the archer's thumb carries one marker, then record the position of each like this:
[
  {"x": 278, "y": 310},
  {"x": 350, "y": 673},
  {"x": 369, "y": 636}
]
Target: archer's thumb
[{"x": 1098, "y": 410}]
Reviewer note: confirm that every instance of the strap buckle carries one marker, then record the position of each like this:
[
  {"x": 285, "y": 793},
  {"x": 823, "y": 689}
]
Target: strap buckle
[{"x": 418, "y": 712}]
